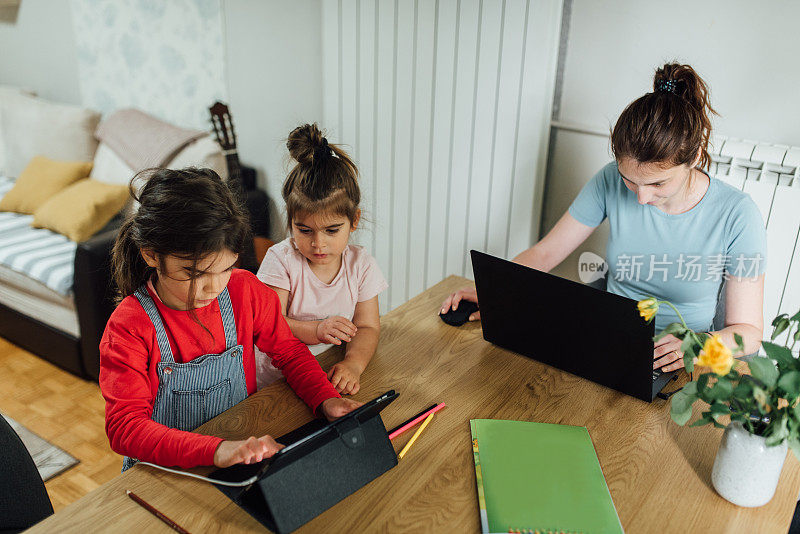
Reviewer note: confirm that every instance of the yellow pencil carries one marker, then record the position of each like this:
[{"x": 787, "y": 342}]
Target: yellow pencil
[{"x": 416, "y": 435}]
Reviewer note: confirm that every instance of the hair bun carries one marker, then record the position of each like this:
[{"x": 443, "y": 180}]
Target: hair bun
[
  {"x": 683, "y": 81},
  {"x": 304, "y": 141}
]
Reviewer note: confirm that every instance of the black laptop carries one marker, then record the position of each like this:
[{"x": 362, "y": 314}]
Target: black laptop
[{"x": 585, "y": 331}]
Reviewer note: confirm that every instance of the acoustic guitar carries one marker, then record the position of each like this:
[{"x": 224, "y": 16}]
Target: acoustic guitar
[{"x": 254, "y": 200}]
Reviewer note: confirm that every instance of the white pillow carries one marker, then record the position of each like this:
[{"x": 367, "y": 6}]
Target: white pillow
[
  {"x": 43, "y": 128},
  {"x": 205, "y": 152},
  {"x": 5, "y": 92}
]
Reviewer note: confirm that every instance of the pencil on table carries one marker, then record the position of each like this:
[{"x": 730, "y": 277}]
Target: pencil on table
[
  {"x": 416, "y": 435},
  {"x": 144, "y": 504},
  {"x": 414, "y": 420}
]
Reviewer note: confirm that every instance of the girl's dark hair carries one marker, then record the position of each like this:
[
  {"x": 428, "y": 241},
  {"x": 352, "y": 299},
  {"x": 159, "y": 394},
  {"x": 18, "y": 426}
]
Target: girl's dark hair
[
  {"x": 671, "y": 125},
  {"x": 325, "y": 179},
  {"x": 187, "y": 213}
]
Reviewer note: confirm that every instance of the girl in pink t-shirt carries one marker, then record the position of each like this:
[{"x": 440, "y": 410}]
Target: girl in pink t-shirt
[{"x": 328, "y": 288}]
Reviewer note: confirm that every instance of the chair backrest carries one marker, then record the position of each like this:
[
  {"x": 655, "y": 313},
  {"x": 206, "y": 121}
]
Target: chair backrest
[
  {"x": 770, "y": 174},
  {"x": 23, "y": 497}
]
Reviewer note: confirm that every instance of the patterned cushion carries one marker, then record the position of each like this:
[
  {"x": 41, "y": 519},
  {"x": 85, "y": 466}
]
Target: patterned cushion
[{"x": 40, "y": 254}]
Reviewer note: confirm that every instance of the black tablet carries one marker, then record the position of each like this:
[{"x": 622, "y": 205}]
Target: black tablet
[
  {"x": 311, "y": 435},
  {"x": 362, "y": 413}
]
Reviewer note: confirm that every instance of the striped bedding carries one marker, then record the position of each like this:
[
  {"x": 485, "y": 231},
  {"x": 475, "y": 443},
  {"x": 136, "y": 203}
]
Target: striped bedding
[{"x": 40, "y": 254}]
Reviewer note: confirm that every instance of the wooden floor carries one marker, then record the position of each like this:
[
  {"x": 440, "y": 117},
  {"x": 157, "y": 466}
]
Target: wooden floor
[{"x": 66, "y": 411}]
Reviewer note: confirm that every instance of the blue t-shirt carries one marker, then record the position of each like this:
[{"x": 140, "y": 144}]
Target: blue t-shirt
[{"x": 681, "y": 258}]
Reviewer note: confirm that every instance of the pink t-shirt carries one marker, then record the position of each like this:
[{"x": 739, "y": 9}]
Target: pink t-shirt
[{"x": 310, "y": 299}]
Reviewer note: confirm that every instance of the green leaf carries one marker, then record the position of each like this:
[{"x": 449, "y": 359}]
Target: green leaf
[
  {"x": 688, "y": 362},
  {"x": 702, "y": 382},
  {"x": 780, "y": 354},
  {"x": 795, "y": 317},
  {"x": 739, "y": 341},
  {"x": 790, "y": 383},
  {"x": 779, "y": 432},
  {"x": 721, "y": 390},
  {"x": 744, "y": 390},
  {"x": 780, "y": 324},
  {"x": 676, "y": 329},
  {"x": 690, "y": 389},
  {"x": 718, "y": 410},
  {"x": 702, "y": 421},
  {"x": 782, "y": 316},
  {"x": 688, "y": 343},
  {"x": 764, "y": 370},
  {"x": 681, "y": 407}
]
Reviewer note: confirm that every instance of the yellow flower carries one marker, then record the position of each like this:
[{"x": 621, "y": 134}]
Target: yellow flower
[
  {"x": 716, "y": 356},
  {"x": 647, "y": 308}
]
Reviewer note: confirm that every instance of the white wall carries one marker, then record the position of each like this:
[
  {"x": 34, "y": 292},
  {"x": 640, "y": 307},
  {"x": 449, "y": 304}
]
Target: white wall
[
  {"x": 38, "y": 51},
  {"x": 746, "y": 51},
  {"x": 274, "y": 63}
]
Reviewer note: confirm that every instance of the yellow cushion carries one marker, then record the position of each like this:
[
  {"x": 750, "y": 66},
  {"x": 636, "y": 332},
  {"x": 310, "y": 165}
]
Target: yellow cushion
[
  {"x": 81, "y": 209},
  {"x": 41, "y": 179}
]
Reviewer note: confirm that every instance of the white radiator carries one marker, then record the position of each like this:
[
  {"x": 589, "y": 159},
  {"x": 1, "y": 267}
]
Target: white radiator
[
  {"x": 445, "y": 106},
  {"x": 770, "y": 174}
]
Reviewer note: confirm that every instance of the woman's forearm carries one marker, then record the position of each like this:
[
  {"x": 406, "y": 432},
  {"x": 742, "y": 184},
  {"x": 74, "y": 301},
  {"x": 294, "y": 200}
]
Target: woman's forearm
[
  {"x": 305, "y": 331},
  {"x": 751, "y": 336},
  {"x": 534, "y": 257}
]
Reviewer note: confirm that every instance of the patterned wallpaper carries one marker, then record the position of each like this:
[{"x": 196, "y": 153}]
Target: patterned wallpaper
[{"x": 164, "y": 57}]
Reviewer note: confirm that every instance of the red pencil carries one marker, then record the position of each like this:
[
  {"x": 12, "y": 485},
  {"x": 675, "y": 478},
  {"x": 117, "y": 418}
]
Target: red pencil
[
  {"x": 405, "y": 426},
  {"x": 156, "y": 513}
]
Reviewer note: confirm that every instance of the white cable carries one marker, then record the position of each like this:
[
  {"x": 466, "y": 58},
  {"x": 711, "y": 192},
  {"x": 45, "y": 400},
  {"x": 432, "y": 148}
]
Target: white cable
[{"x": 213, "y": 481}]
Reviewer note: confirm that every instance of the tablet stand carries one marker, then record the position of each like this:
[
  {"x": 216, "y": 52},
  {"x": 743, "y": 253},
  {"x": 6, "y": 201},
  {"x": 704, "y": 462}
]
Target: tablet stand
[{"x": 298, "y": 488}]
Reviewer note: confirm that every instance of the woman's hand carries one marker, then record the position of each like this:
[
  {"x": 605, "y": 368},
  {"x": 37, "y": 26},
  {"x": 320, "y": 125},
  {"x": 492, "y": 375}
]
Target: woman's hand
[
  {"x": 345, "y": 377},
  {"x": 335, "y": 407},
  {"x": 667, "y": 354},
  {"x": 335, "y": 330},
  {"x": 452, "y": 301},
  {"x": 249, "y": 451}
]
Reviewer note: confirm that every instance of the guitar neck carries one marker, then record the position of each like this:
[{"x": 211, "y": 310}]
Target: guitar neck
[{"x": 234, "y": 167}]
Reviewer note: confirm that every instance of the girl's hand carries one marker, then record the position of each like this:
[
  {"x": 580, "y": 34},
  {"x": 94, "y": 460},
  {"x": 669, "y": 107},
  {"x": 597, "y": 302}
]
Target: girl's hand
[
  {"x": 667, "y": 354},
  {"x": 462, "y": 294},
  {"x": 335, "y": 330},
  {"x": 249, "y": 451},
  {"x": 345, "y": 377},
  {"x": 335, "y": 407}
]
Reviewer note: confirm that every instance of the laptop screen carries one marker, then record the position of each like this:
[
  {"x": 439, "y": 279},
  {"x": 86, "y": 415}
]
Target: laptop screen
[{"x": 576, "y": 328}]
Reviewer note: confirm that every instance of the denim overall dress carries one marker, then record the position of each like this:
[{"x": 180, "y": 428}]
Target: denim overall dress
[{"x": 191, "y": 393}]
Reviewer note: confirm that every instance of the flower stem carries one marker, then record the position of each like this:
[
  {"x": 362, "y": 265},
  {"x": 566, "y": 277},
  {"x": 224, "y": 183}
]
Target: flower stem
[{"x": 691, "y": 332}]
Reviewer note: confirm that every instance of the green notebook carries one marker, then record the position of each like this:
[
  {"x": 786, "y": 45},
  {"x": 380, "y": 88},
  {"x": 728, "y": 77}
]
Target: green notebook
[{"x": 539, "y": 477}]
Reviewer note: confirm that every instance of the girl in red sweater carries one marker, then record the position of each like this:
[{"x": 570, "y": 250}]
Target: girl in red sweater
[{"x": 178, "y": 349}]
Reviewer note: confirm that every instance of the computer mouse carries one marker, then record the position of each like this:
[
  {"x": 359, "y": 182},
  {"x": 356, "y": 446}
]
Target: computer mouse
[{"x": 461, "y": 315}]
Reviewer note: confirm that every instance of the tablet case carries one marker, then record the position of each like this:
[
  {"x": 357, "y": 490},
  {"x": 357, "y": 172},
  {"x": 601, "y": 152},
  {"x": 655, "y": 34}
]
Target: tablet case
[{"x": 296, "y": 489}]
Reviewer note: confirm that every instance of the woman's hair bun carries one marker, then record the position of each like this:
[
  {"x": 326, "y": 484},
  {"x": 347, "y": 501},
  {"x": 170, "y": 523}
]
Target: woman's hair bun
[{"x": 683, "y": 81}]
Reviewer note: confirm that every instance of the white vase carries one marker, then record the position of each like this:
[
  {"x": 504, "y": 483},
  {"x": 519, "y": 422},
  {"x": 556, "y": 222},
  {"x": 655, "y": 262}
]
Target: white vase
[{"x": 746, "y": 470}]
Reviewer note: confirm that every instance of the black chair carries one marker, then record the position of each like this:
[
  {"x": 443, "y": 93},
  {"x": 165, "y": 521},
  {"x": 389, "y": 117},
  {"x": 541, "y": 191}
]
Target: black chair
[{"x": 23, "y": 497}]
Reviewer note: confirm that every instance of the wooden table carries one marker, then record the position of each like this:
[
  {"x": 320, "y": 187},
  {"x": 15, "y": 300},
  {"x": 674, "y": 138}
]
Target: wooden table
[{"x": 659, "y": 473}]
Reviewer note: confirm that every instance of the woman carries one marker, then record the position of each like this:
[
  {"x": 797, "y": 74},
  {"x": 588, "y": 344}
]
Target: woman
[{"x": 675, "y": 233}]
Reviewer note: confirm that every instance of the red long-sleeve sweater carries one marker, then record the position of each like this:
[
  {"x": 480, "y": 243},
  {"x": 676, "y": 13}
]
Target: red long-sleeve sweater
[{"x": 129, "y": 354}]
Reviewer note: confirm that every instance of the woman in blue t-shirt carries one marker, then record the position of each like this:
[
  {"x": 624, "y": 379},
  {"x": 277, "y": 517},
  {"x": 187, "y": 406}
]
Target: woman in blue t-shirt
[{"x": 675, "y": 233}]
